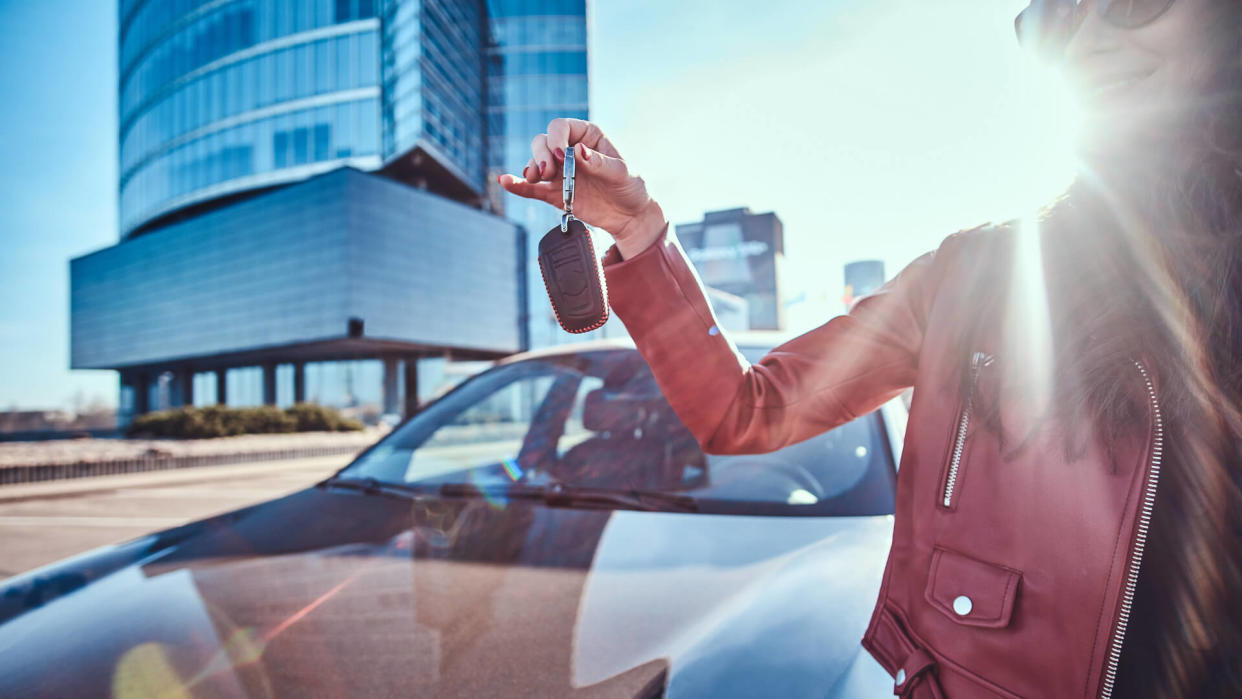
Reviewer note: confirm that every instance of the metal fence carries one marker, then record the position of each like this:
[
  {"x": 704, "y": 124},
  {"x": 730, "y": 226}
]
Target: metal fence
[{"x": 11, "y": 475}]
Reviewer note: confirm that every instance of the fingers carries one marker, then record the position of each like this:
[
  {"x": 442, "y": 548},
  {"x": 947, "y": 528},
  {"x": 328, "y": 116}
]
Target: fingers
[
  {"x": 563, "y": 131},
  {"x": 593, "y": 151},
  {"x": 605, "y": 167},
  {"x": 541, "y": 191},
  {"x": 541, "y": 160}
]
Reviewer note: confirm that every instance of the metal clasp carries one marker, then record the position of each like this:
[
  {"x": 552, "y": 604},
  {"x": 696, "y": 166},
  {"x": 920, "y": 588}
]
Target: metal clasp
[{"x": 567, "y": 189}]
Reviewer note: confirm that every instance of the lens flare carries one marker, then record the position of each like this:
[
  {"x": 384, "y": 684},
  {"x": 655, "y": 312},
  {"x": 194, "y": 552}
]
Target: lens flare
[
  {"x": 1030, "y": 349},
  {"x": 146, "y": 671},
  {"x": 493, "y": 497},
  {"x": 512, "y": 469},
  {"x": 245, "y": 646}
]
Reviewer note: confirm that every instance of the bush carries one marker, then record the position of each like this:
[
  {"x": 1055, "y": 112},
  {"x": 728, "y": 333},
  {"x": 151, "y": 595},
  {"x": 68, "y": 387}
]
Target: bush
[
  {"x": 312, "y": 417},
  {"x": 219, "y": 421}
]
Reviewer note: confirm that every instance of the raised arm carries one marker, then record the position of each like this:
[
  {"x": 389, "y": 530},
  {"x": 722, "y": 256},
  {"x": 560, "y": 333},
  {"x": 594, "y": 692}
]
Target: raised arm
[{"x": 844, "y": 368}]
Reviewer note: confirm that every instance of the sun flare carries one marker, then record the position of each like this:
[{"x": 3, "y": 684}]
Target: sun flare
[{"x": 1048, "y": 132}]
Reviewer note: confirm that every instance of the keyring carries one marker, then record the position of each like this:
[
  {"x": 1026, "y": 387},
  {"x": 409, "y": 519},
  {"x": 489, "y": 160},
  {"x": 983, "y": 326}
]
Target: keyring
[{"x": 567, "y": 189}]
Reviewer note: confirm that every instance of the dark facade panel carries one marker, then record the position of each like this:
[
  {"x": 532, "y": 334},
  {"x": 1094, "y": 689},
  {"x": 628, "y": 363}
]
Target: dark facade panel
[
  {"x": 293, "y": 267},
  {"x": 425, "y": 269}
]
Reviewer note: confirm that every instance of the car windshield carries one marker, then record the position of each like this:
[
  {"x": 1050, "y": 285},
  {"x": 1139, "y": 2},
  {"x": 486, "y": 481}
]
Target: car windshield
[{"x": 596, "y": 420}]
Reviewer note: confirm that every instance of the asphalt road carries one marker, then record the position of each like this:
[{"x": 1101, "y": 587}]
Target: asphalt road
[{"x": 45, "y": 522}]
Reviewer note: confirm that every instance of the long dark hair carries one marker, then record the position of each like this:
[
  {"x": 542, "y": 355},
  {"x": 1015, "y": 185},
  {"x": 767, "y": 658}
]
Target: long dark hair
[{"x": 1142, "y": 259}]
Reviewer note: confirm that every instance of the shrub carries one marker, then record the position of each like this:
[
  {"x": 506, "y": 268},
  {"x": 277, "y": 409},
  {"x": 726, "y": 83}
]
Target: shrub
[
  {"x": 266, "y": 419},
  {"x": 219, "y": 421},
  {"x": 312, "y": 417}
]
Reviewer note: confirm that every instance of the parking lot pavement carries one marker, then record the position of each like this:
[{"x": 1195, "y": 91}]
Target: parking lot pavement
[{"x": 45, "y": 522}]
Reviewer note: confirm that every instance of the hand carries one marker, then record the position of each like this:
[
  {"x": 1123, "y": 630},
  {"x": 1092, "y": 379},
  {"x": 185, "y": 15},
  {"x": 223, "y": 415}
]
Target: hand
[{"x": 606, "y": 194}]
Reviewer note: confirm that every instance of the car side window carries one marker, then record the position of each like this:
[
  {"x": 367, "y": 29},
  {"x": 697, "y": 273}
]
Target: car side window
[
  {"x": 575, "y": 431},
  {"x": 505, "y": 415}
]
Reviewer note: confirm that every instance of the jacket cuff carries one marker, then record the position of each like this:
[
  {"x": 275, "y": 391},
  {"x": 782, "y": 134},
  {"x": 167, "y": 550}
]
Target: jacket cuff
[
  {"x": 612, "y": 256},
  {"x": 657, "y": 288}
]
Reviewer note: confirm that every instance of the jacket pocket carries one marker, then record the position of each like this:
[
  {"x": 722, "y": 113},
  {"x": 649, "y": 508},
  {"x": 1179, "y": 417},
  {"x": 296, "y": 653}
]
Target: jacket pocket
[
  {"x": 972, "y": 592},
  {"x": 952, "y": 475}
]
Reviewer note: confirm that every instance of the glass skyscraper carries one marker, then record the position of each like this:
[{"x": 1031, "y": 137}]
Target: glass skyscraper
[
  {"x": 537, "y": 71},
  {"x": 231, "y": 115},
  {"x": 434, "y": 84},
  {"x": 218, "y": 98}
]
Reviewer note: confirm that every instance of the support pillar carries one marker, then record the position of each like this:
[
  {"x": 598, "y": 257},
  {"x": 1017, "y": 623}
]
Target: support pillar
[
  {"x": 391, "y": 369},
  {"x": 222, "y": 392},
  {"x": 185, "y": 384},
  {"x": 299, "y": 382},
  {"x": 269, "y": 384},
  {"x": 411, "y": 385},
  {"x": 142, "y": 393}
]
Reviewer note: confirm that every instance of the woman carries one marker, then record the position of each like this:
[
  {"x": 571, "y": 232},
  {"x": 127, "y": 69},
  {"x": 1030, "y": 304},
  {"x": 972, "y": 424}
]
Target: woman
[{"x": 1068, "y": 503}]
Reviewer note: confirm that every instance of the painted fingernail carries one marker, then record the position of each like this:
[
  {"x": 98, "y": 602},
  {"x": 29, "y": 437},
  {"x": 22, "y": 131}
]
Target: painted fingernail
[
  {"x": 525, "y": 170},
  {"x": 543, "y": 167},
  {"x": 586, "y": 154},
  {"x": 559, "y": 153}
]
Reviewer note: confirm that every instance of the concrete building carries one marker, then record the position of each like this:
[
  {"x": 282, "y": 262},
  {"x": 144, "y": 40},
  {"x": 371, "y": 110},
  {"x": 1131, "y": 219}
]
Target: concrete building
[{"x": 307, "y": 198}]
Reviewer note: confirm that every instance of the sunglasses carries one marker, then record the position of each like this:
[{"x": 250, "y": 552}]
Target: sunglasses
[{"x": 1048, "y": 25}]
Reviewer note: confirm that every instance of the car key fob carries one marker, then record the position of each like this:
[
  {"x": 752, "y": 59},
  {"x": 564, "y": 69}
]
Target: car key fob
[
  {"x": 571, "y": 271},
  {"x": 573, "y": 277}
]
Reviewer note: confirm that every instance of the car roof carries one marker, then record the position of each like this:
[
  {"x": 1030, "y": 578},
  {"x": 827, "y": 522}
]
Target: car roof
[{"x": 747, "y": 339}]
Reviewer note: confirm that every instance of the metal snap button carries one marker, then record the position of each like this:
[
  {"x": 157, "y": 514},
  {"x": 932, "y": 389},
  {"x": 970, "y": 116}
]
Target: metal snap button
[
  {"x": 901, "y": 677},
  {"x": 962, "y": 605}
]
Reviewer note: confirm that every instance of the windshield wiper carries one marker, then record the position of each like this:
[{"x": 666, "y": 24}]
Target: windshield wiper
[
  {"x": 553, "y": 495},
  {"x": 371, "y": 486},
  {"x": 568, "y": 495}
]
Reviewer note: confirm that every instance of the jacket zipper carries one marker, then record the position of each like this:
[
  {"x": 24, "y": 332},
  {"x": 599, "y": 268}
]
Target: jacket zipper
[
  {"x": 1140, "y": 539},
  {"x": 977, "y": 361}
]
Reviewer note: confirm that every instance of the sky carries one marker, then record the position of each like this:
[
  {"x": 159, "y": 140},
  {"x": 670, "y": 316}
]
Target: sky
[
  {"x": 58, "y": 179},
  {"x": 873, "y": 128}
]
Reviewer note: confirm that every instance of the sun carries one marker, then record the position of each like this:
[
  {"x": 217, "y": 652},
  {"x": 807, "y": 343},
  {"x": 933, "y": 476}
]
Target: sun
[{"x": 1047, "y": 131}]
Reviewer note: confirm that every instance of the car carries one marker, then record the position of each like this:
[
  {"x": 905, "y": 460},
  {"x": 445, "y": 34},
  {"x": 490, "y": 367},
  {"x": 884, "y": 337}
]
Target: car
[{"x": 547, "y": 528}]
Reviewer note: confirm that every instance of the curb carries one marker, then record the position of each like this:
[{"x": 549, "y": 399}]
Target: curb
[
  {"x": 11, "y": 475},
  {"x": 83, "y": 486}
]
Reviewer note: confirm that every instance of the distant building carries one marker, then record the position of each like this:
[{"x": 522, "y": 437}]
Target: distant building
[
  {"x": 307, "y": 197},
  {"x": 21, "y": 422},
  {"x": 742, "y": 254},
  {"x": 732, "y": 312},
  {"x": 862, "y": 278},
  {"x": 34, "y": 420}
]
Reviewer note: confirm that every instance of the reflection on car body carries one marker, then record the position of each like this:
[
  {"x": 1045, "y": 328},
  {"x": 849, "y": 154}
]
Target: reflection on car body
[{"x": 549, "y": 528}]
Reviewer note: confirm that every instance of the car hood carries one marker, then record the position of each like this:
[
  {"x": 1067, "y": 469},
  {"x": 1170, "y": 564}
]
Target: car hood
[{"x": 327, "y": 593}]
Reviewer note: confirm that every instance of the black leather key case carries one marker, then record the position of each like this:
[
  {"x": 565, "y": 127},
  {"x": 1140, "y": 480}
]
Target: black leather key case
[{"x": 574, "y": 278}]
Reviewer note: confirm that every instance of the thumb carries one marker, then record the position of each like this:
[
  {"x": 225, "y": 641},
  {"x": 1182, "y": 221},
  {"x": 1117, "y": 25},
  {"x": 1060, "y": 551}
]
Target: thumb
[{"x": 605, "y": 167}]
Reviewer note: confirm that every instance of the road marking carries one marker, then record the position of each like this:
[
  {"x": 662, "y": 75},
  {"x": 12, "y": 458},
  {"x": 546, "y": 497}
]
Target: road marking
[{"x": 62, "y": 521}]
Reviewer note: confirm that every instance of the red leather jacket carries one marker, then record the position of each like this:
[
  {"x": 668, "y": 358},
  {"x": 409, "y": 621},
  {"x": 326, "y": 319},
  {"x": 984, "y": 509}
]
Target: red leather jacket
[{"x": 1006, "y": 577}]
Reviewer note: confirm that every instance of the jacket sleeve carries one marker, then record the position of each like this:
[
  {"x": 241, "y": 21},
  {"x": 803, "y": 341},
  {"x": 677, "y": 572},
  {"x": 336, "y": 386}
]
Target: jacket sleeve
[{"x": 844, "y": 368}]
